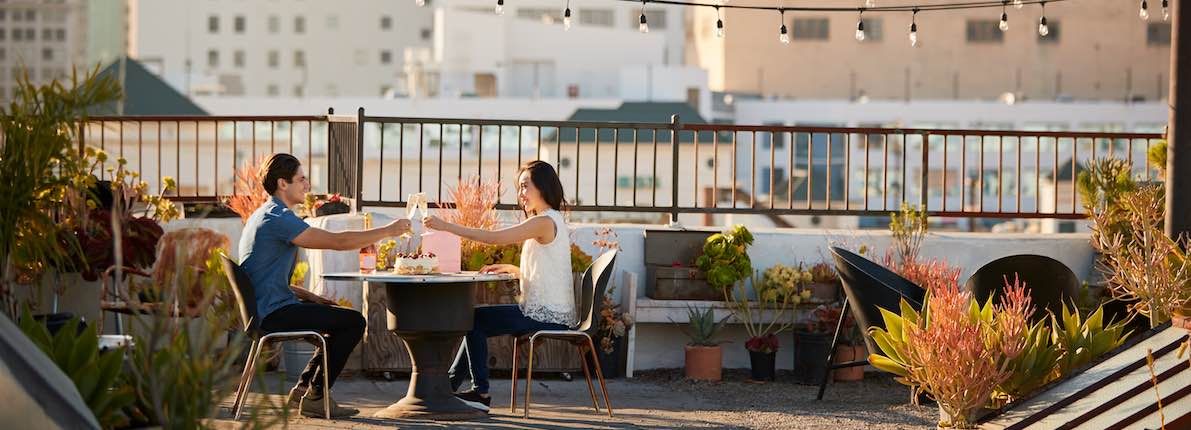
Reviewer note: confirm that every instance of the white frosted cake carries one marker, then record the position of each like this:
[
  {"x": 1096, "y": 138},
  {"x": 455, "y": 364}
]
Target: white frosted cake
[{"x": 416, "y": 264}]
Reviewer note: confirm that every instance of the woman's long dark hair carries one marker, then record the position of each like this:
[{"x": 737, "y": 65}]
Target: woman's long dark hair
[{"x": 545, "y": 179}]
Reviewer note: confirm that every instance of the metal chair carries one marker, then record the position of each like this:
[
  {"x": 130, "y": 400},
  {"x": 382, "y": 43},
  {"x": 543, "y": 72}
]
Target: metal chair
[
  {"x": 1049, "y": 282},
  {"x": 595, "y": 282},
  {"x": 246, "y": 302},
  {"x": 868, "y": 288}
]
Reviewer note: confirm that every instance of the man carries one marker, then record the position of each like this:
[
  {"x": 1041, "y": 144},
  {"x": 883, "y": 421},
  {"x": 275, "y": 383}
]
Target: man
[{"x": 268, "y": 251}]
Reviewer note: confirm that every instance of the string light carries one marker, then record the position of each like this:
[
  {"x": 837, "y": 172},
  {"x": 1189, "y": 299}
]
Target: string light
[
  {"x": 783, "y": 35},
  {"x": 1043, "y": 29},
  {"x": 1004, "y": 25},
  {"x": 420, "y": 3},
  {"x": 1165, "y": 11},
  {"x": 914, "y": 29},
  {"x": 860, "y": 26},
  {"x": 644, "y": 26},
  {"x": 566, "y": 16},
  {"x": 719, "y": 23},
  {"x": 870, "y": 4},
  {"x": 1144, "y": 13},
  {"x": 500, "y": 7},
  {"x": 1018, "y": 4}
]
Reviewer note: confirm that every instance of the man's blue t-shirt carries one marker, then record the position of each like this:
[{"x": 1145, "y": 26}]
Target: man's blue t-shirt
[{"x": 267, "y": 254}]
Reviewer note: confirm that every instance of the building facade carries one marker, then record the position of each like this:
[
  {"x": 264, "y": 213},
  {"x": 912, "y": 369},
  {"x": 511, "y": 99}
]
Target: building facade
[{"x": 42, "y": 40}]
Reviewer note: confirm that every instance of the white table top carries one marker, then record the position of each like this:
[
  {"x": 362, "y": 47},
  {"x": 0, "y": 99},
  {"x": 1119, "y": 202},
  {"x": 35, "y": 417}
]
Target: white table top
[{"x": 438, "y": 278}]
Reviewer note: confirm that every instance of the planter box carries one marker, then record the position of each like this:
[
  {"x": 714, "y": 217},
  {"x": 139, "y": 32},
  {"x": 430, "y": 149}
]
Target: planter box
[{"x": 678, "y": 283}]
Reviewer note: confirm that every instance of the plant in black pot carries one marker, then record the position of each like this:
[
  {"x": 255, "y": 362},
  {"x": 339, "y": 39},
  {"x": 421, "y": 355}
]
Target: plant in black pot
[
  {"x": 614, "y": 325},
  {"x": 812, "y": 341},
  {"x": 765, "y": 315}
]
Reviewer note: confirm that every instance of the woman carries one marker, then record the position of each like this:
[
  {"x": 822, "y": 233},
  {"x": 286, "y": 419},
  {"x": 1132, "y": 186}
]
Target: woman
[{"x": 547, "y": 300}]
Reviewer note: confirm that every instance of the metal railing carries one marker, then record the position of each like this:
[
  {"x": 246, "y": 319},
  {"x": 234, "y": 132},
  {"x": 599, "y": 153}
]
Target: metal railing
[{"x": 671, "y": 168}]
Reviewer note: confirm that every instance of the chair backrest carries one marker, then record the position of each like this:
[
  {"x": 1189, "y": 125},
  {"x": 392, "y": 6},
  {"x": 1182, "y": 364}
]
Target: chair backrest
[
  {"x": 245, "y": 294},
  {"x": 871, "y": 287},
  {"x": 595, "y": 283},
  {"x": 1049, "y": 282}
]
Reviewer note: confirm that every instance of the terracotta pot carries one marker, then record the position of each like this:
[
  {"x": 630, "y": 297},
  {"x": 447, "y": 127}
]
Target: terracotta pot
[
  {"x": 824, "y": 292},
  {"x": 704, "y": 363},
  {"x": 846, "y": 353}
]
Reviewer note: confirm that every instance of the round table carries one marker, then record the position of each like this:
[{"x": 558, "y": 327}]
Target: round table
[{"x": 431, "y": 314}]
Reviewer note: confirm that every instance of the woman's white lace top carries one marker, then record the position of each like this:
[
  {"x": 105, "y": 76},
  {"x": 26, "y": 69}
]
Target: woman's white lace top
[{"x": 547, "y": 289}]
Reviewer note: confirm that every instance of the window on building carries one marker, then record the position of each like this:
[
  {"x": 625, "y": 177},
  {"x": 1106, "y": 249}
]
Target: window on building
[
  {"x": 332, "y": 22},
  {"x": 874, "y": 29},
  {"x": 274, "y": 59},
  {"x": 212, "y": 24},
  {"x": 545, "y": 15},
  {"x": 238, "y": 58},
  {"x": 30, "y": 34},
  {"x": 238, "y": 24},
  {"x": 597, "y": 17},
  {"x": 386, "y": 57},
  {"x": 271, "y": 90},
  {"x": 427, "y": 33},
  {"x": 3, "y": 35},
  {"x": 47, "y": 34},
  {"x": 656, "y": 18},
  {"x": 299, "y": 58},
  {"x": 30, "y": 15},
  {"x": 1052, "y": 34},
  {"x": 213, "y": 58},
  {"x": 274, "y": 24},
  {"x": 984, "y": 31},
  {"x": 16, "y": 15},
  {"x": 47, "y": 54},
  {"x": 811, "y": 28},
  {"x": 386, "y": 22},
  {"x": 3, "y": 14},
  {"x": 1158, "y": 34},
  {"x": 18, "y": 35},
  {"x": 299, "y": 24},
  {"x": 60, "y": 34},
  {"x": 298, "y": 91},
  {"x": 3, "y": 54}
]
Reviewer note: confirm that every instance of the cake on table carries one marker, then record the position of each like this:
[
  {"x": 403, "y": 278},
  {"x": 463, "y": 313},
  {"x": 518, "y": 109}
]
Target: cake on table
[{"x": 420, "y": 263}]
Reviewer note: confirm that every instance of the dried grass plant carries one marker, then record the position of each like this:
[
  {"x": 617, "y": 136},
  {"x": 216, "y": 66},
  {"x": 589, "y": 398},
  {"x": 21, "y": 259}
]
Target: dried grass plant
[{"x": 249, "y": 193}]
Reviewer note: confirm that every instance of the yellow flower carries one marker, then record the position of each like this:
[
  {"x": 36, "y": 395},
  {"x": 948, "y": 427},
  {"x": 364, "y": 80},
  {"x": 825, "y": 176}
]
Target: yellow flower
[
  {"x": 805, "y": 294},
  {"x": 168, "y": 183}
]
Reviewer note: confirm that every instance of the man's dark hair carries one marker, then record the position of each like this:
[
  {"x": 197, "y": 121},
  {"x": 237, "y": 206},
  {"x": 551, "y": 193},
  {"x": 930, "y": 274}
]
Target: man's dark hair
[{"x": 279, "y": 166}]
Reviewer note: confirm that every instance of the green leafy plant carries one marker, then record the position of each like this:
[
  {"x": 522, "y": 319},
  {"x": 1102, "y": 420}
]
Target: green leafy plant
[
  {"x": 95, "y": 374},
  {"x": 579, "y": 259},
  {"x": 908, "y": 227},
  {"x": 770, "y": 303},
  {"x": 1101, "y": 185},
  {"x": 1082, "y": 340},
  {"x": 702, "y": 327},
  {"x": 725, "y": 260},
  {"x": 1156, "y": 156},
  {"x": 38, "y": 160}
]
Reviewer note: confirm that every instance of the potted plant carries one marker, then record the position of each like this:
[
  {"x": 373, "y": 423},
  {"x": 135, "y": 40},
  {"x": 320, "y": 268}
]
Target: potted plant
[
  {"x": 725, "y": 259},
  {"x": 764, "y": 316},
  {"x": 614, "y": 324},
  {"x": 824, "y": 284},
  {"x": 850, "y": 348},
  {"x": 812, "y": 340},
  {"x": 704, "y": 359}
]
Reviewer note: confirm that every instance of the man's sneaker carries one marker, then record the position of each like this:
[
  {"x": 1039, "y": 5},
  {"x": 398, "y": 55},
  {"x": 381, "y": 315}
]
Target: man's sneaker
[
  {"x": 313, "y": 407},
  {"x": 475, "y": 397}
]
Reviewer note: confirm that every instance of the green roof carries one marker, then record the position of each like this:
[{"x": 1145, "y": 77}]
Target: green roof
[
  {"x": 144, "y": 93},
  {"x": 636, "y": 112}
]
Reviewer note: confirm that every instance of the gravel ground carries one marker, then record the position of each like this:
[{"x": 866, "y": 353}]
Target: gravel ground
[{"x": 654, "y": 399}]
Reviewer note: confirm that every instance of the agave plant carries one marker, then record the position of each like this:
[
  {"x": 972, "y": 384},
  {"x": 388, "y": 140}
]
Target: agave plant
[
  {"x": 1082, "y": 340},
  {"x": 702, "y": 326}
]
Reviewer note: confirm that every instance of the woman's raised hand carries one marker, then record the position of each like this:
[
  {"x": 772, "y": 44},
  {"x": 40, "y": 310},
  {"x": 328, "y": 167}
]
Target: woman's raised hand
[{"x": 436, "y": 223}]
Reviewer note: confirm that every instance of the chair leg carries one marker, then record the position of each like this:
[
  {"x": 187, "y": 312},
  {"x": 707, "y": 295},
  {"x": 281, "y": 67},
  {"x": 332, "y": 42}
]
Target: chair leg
[
  {"x": 839, "y": 325},
  {"x": 326, "y": 378},
  {"x": 513, "y": 379},
  {"x": 248, "y": 382},
  {"x": 529, "y": 375},
  {"x": 600, "y": 375},
  {"x": 580, "y": 348},
  {"x": 248, "y": 368}
]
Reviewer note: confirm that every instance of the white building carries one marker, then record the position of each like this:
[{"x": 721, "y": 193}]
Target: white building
[
  {"x": 293, "y": 48},
  {"x": 45, "y": 39}
]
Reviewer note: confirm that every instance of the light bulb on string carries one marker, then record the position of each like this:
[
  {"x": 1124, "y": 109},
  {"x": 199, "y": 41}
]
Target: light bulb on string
[
  {"x": 1004, "y": 24},
  {"x": 870, "y": 3},
  {"x": 566, "y": 17},
  {"x": 1165, "y": 10},
  {"x": 644, "y": 23},
  {"x": 500, "y": 7},
  {"x": 1018, "y": 4},
  {"x": 420, "y": 3},
  {"x": 1144, "y": 12},
  {"x": 783, "y": 35},
  {"x": 719, "y": 23},
  {"x": 914, "y": 29},
  {"x": 1043, "y": 29},
  {"x": 860, "y": 26}
]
